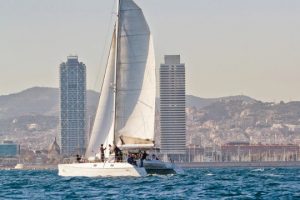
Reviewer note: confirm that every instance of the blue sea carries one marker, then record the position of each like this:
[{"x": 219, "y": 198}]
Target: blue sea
[{"x": 225, "y": 183}]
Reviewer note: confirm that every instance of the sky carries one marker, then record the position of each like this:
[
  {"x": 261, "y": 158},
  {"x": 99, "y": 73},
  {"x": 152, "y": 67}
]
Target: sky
[{"x": 232, "y": 47}]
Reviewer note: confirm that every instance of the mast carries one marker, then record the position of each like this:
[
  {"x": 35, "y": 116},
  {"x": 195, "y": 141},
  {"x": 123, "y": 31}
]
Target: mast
[{"x": 116, "y": 71}]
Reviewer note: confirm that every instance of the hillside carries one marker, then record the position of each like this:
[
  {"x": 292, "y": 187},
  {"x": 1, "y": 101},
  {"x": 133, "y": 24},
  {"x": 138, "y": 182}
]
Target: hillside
[
  {"x": 37, "y": 101},
  {"x": 236, "y": 120},
  {"x": 31, "y": 117},
  {"x": 198, "y": 102}
]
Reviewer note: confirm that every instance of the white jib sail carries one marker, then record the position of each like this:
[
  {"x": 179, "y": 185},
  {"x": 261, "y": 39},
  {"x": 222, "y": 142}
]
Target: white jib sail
[
  {"x": 103, "y": 129},
  {"x": 136, "y": 84}
]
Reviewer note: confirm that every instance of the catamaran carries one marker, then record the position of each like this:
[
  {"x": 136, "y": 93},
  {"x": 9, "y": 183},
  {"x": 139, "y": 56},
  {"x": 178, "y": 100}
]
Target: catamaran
[{"x": 126, "y": 109}]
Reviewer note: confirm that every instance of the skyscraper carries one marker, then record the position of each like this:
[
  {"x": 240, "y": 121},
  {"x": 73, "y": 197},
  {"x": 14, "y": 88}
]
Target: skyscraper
[
  {"x": 72, "y": 107},
  {"x": 172, "y": 106}
]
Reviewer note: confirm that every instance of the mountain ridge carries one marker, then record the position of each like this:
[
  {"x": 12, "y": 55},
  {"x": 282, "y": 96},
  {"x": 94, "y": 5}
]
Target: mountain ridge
[
  {"x": 45, "y": 101},
  {"x": 31, "y": 117},
  {"x": 37, "y": 101}
]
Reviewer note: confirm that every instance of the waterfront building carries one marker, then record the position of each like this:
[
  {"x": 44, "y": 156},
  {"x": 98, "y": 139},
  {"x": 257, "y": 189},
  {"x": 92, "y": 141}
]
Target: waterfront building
[
  {"x": 9, "y": 149},
  {"x": 172, "y": 107},
  {"x": 72, "y": 107},
  {"x": 243, "y": 151}
]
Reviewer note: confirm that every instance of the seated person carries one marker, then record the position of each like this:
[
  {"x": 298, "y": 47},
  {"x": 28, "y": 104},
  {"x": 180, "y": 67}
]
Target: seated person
[
  {"x": 78, "y": 158},
  {"x": 130, "y": 160},
  {"x": 154, "y": 157}
]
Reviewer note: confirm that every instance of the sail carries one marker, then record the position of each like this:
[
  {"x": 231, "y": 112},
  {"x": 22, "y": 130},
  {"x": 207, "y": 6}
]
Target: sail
[
  {"x": 103, "y": 129},
  {"x": 135, "y": 83}
]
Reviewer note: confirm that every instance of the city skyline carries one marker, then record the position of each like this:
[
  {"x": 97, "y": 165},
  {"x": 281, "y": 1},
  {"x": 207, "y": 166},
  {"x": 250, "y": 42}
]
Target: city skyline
[{"x": 231, "y": 47}]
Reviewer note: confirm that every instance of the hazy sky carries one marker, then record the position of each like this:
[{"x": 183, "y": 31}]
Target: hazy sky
[{"x": 230, "y": 47}]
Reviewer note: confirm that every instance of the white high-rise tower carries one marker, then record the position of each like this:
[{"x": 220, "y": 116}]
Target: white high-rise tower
[{"x": 172, "y": 106}]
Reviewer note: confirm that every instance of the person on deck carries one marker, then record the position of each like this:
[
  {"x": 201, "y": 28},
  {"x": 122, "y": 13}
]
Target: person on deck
[
  {"x": 118, "y": 154},
  {"x": 154, "y": 157},
  {"x": 102, "y": 149},
  {"x": 111, "y": 150},
  {"x": 131, "y": 160},
  {"x": 144, "y": 156},
  {"x": 78, "y": 158}
]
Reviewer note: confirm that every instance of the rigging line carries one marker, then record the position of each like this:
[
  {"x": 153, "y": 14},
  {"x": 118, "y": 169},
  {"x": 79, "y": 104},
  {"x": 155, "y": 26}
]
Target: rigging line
[
  {"x": 145, "y": 104},
  {"x": 104, "y": 47}
]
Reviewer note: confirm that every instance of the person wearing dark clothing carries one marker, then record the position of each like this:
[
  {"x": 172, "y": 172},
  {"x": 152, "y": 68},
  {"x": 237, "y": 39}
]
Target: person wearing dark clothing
[
  {"x": 130, "y": 160},
  {"x": 78, "y": 159},
  {"x": 111, "y": 149},
  {"x": 154, "y": 157},
  {"x": 102, "y": 149},
  {"x": 118, "y": 154},
  {"x": 144, "y": 156}
]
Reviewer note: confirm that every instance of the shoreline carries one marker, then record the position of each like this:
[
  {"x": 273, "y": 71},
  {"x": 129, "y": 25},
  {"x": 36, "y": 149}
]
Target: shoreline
[
  {"x": 31, "y": 167},
  {"x": 240, "y": 164},
  {"x": 186, "y": 165}
]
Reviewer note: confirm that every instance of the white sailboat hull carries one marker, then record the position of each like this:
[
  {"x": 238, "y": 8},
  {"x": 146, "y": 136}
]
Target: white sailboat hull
[{"x": 101, "y": 170}]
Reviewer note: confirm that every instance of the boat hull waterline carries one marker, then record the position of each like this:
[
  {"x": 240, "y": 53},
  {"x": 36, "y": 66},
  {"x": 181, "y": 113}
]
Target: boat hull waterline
[{"x": 110, "y": 169}]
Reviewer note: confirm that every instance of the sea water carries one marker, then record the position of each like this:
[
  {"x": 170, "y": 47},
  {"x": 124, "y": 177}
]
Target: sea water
[{"x": 225, "y": 183}]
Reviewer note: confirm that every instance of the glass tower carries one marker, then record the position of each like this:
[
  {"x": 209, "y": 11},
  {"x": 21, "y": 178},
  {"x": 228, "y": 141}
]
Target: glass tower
[{"x": 72, "y": 107}]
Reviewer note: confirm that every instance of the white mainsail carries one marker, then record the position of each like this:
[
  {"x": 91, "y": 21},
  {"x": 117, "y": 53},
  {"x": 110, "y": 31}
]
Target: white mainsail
[
  {"x": 126, "y": 110},
  {"x": 136, "y": 84}
]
